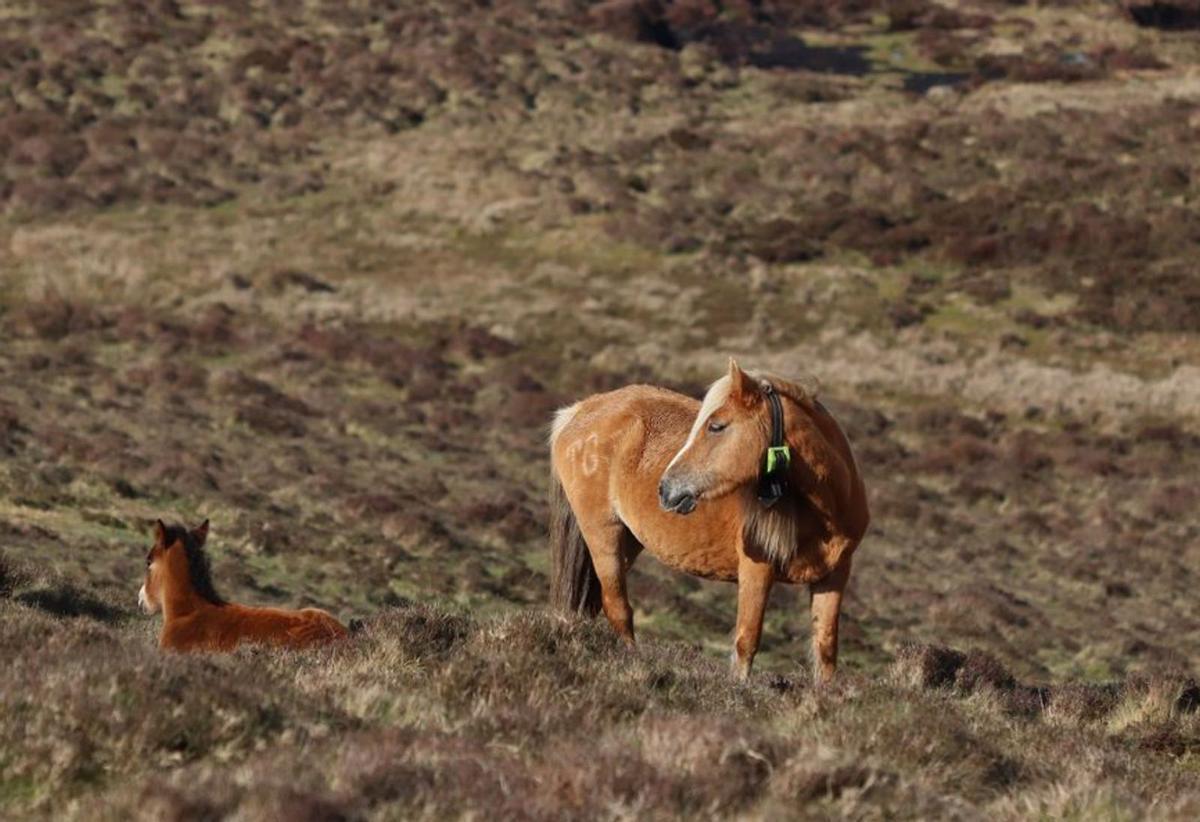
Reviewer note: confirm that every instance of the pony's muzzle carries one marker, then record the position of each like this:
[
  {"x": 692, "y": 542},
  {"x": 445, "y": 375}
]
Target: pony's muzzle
[{"x": 674, "y": 496}]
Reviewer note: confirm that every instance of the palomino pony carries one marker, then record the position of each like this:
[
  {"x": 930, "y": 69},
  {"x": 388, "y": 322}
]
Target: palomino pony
[
  {"x": 197, "y": 618},
  {"x": 755, "y": 485}
]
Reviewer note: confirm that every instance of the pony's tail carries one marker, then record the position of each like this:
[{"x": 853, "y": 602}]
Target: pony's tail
[{"x": 574, "y": 586}]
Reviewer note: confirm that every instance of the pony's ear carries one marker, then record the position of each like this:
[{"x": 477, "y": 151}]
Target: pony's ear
[
  {"x": 741, "y": 385},
  {"x": 160, "y": 533},
  {"x": 200, "y": 532}
]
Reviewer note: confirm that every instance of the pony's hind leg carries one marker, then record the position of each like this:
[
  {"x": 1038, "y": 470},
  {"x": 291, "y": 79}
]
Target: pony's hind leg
[
  {"x": 826, "y": 606},
  {"x": 753, "y": 586},
  {"x": 613, "y": 550}
]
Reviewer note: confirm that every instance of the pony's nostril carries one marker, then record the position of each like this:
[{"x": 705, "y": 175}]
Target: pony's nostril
[{"x": 673, "y": 498}]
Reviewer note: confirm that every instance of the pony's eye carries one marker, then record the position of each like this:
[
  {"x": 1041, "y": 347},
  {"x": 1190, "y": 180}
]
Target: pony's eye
[{"x": 716, "y": 427}]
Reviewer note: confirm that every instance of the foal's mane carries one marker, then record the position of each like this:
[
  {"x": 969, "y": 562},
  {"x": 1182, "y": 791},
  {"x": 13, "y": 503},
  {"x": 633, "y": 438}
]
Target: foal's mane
[{"x": 199, "y": 569}]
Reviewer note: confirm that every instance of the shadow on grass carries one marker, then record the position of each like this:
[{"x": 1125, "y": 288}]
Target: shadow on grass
[
  {"x": 767, "y": 48},
  {"x": 1167, "y": 16},
  {"x": 69, "y": 601},
  {"x": 922, "y": 81},
  {"x": 61, "y": 599}
]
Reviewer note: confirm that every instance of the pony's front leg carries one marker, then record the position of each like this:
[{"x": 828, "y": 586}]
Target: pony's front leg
[
  {"x": 826, "y": 607},
  {"x": 754, "y": 586}
]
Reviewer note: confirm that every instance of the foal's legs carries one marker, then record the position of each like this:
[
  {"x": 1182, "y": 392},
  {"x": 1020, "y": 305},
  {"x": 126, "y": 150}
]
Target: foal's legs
[
  {"x": 613, "y": 550},
  {"x": 754, "y": 586},
  {"x": 825, "y": 605}
]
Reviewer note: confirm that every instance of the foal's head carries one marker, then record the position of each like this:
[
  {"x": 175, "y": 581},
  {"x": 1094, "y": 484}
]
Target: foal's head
[
  {"x": 177, "y": 558},
  {"x": 726, "y": 448}
]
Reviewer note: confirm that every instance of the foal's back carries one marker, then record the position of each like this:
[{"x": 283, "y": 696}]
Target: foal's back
[
  {"x": 286, "y": 628},
  {"x": 227, "y": 627}
]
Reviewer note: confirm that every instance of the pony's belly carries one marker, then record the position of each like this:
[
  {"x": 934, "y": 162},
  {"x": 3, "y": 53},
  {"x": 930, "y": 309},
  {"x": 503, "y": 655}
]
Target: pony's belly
[
  {"x": 701, "y": 544},
  {"x": 714, "y": 563}
]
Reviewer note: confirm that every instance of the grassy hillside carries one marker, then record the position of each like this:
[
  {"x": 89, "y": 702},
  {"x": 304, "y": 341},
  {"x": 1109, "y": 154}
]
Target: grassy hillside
[
  {"x": 433, "y": 714},
  {"x": 321, "y": 271}
]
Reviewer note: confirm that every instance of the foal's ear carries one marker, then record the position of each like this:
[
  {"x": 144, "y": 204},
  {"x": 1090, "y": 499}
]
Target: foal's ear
[
  {"x": 200, "y": 532},
  {"x": 741, "y": 384},
  {"x": 160, "y": 533}
]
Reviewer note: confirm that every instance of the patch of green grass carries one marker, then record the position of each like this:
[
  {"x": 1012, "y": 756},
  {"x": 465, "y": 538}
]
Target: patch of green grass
[
  {"x": 17, "y": 791},
  {"x": 960, "y": 318}
]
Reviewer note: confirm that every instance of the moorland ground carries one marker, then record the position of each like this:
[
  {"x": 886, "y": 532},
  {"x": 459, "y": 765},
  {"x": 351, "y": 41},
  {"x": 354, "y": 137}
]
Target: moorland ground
[{"x": 321, "y": 272}]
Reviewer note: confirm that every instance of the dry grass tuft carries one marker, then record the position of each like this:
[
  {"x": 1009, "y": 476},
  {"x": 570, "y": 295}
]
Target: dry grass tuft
[
  {"x": 927, "y": 666},
  {"x": 12, "y": 576}
]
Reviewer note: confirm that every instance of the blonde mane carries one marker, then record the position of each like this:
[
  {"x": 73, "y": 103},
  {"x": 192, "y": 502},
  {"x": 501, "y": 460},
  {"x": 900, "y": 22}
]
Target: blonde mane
[
  {"x": 714, "y": 398},
  {"x": 776, "y": 530}
]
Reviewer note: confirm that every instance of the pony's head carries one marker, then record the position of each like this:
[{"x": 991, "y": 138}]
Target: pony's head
[
  {"x": 727, "y": 445},
  {"x": 177, "y": 556}
]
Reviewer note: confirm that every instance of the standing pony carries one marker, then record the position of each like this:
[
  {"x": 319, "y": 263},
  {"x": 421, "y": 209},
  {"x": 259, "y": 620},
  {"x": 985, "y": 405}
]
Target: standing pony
[
  {"x": 197, "y": 618},
  {"x": 755, "y": 485}
]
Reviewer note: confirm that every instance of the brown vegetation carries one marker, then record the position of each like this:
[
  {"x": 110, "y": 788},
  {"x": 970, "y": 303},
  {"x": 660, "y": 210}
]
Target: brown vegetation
[{"x": 323, "y": 271}]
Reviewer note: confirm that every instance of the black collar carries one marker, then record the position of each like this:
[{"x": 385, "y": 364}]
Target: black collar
[{"x": 773, "y": 476}]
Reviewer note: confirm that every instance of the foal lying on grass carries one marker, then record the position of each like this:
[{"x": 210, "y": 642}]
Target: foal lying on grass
[{"x": 197, "y": 618}]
